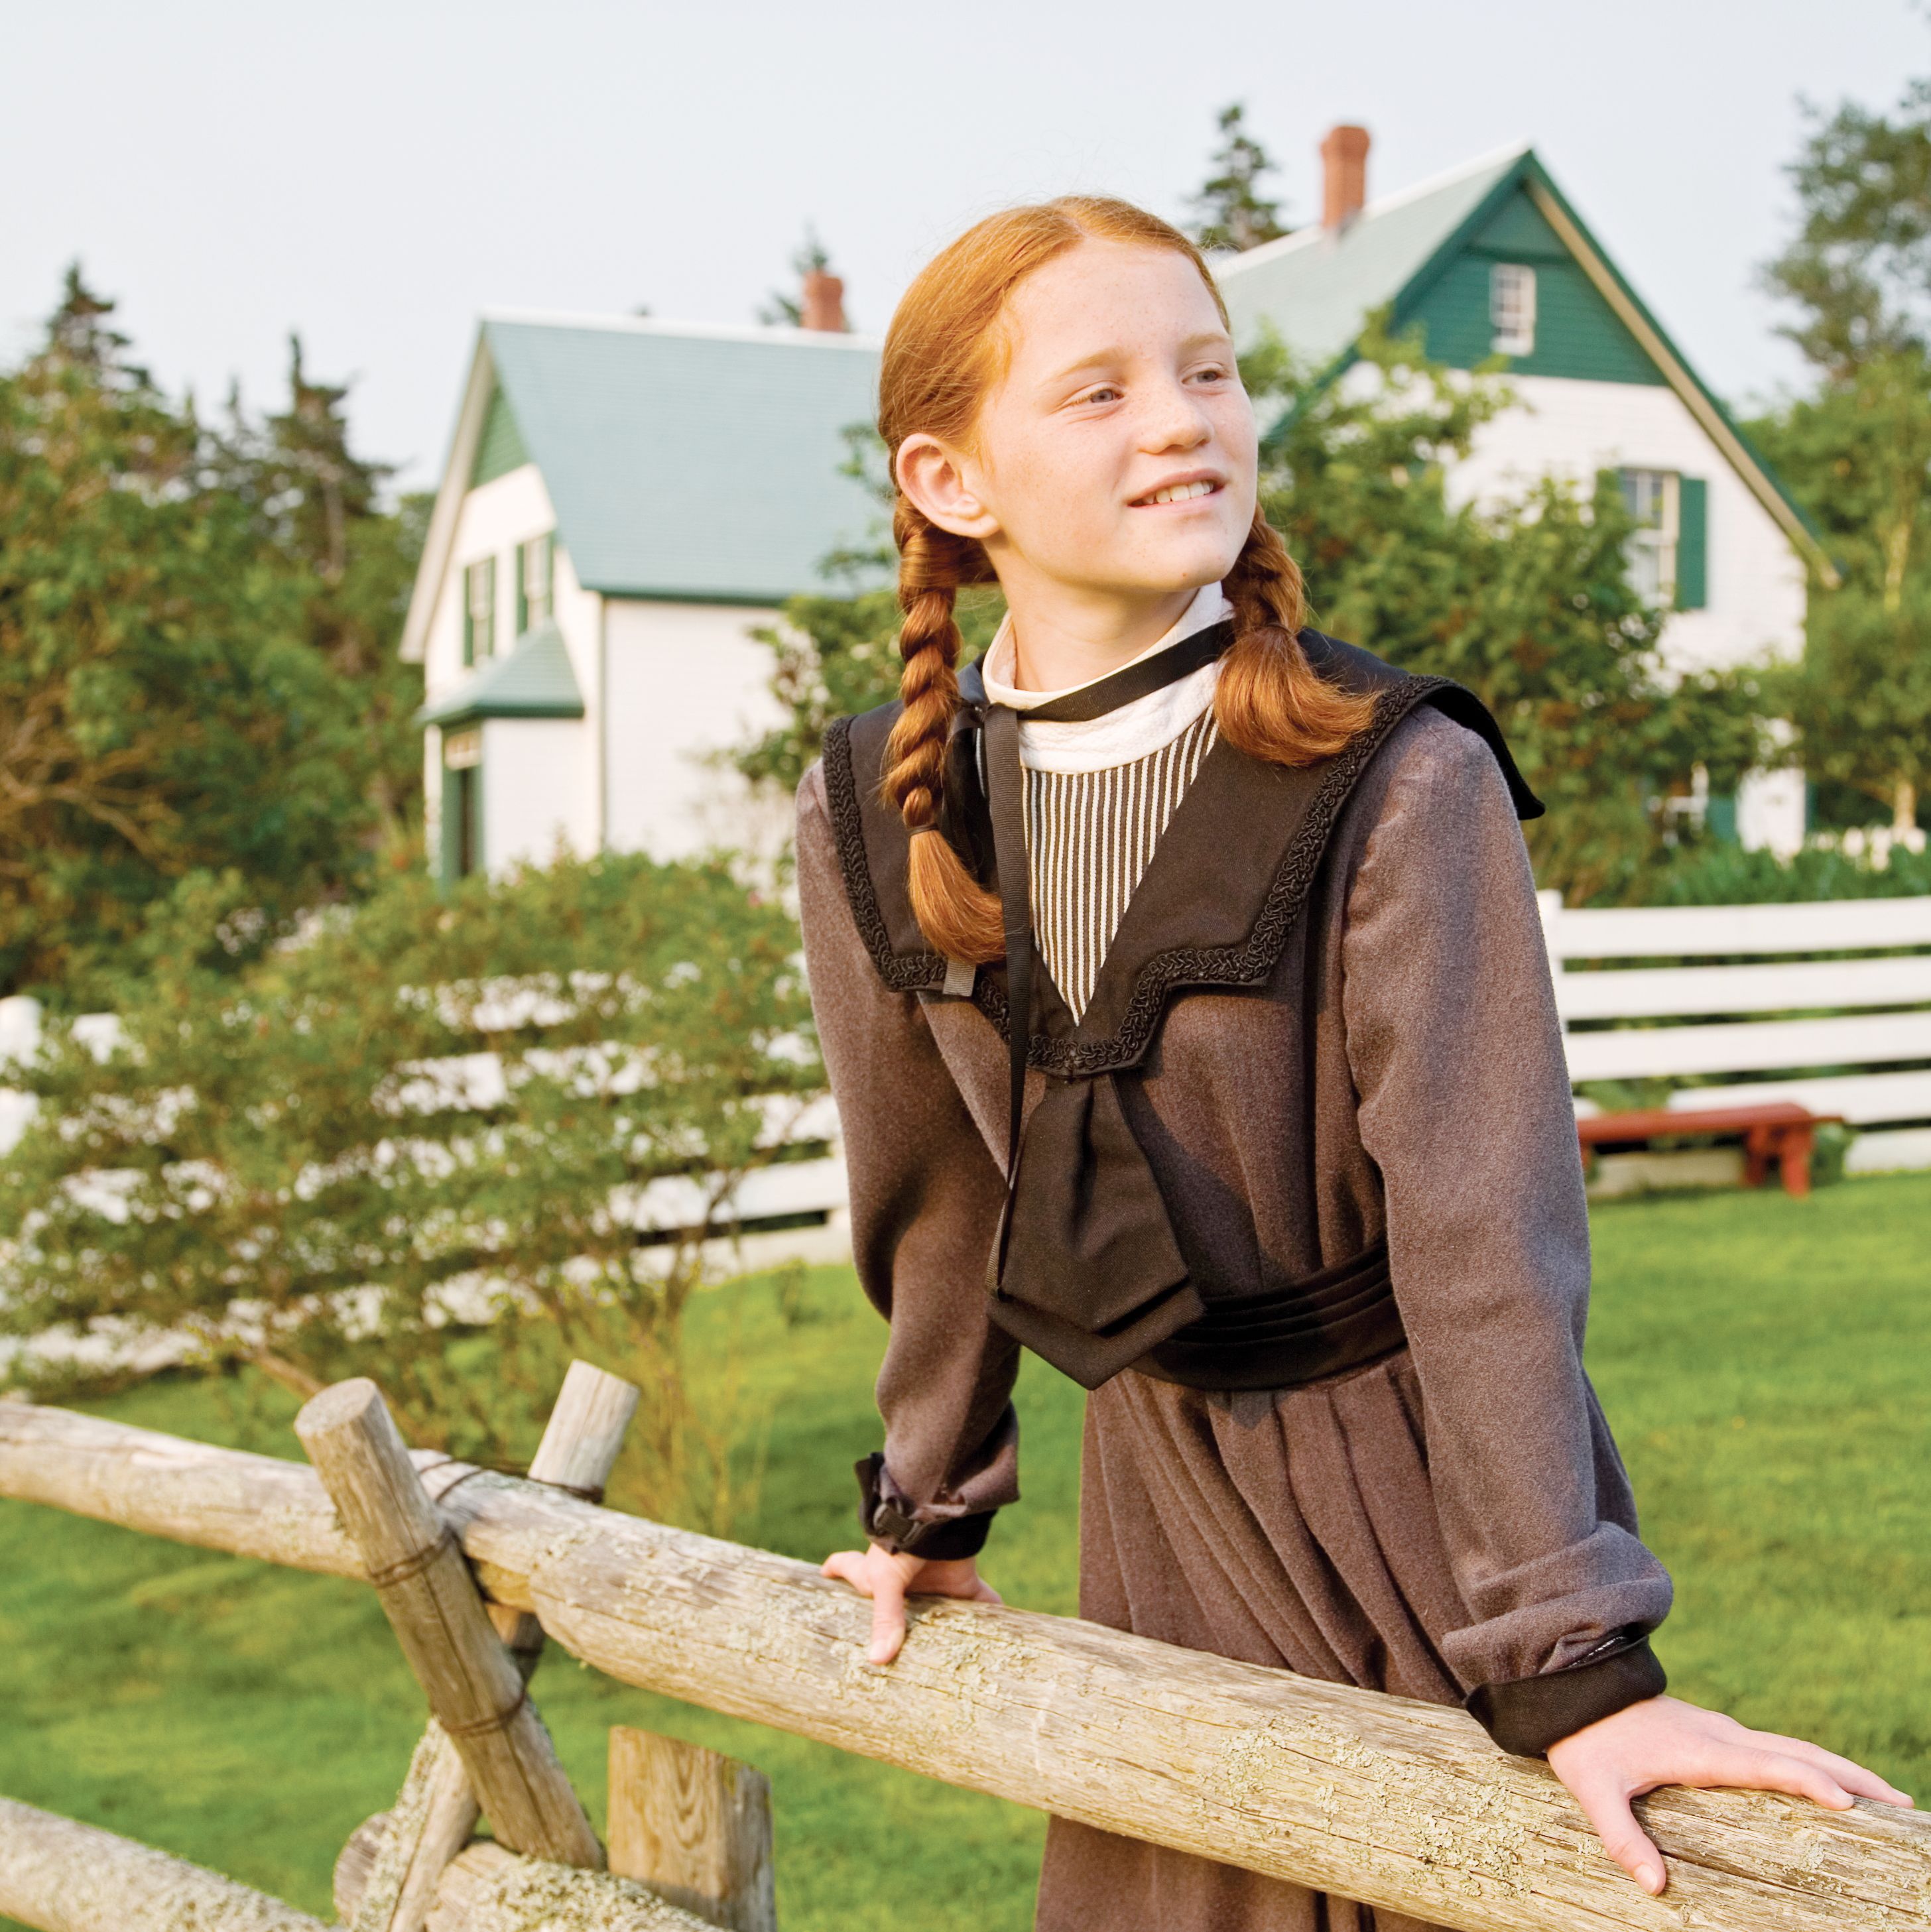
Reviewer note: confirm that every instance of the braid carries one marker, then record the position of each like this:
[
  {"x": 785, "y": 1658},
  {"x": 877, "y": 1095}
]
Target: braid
[
  {"x": 1270, "y": 702},
  {"x": 954, "y": 911}
]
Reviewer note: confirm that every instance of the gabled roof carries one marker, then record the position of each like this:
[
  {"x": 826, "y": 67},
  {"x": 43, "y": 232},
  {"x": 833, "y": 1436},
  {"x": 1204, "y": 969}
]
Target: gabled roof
[
  {"x": 534, "y": 680},
  {"x": 683, "y": 462},
  {"x": 1317, "y": 290}
]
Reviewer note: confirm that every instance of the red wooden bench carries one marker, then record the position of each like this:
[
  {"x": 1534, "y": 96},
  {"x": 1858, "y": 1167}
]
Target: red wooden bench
[{"x": 1773, "y": 1130}]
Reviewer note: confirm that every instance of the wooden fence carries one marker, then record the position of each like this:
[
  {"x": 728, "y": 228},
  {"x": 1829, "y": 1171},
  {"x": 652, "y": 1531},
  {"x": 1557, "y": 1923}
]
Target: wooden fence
[
  {"x": 1406, "y": 1805},
  {"x": 1828, "y": 1003}
]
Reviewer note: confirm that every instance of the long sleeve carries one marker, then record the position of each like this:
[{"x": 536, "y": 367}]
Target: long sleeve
[
  {"x": 925, "y": 1193},
  {"x": 1464, "y": 1106}
]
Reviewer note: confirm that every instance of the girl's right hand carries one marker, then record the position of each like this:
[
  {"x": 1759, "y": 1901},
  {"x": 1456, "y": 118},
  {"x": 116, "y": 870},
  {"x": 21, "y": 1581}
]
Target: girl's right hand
[{"x": 889, "y": 1579}]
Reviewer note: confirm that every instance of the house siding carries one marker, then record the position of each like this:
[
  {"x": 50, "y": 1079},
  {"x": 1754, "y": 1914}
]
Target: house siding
[{"x": 1578, "y": 335}]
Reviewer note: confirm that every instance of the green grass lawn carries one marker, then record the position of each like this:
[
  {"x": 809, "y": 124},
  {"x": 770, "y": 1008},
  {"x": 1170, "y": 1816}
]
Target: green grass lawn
[{"x": 1762, "y": 1359}]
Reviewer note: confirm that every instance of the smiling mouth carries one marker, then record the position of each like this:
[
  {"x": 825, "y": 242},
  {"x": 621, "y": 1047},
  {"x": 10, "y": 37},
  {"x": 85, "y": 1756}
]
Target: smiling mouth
[{"x": 1177, "y": 493}]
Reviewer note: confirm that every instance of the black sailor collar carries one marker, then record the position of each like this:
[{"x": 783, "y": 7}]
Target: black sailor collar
[{"x": 1225, "y": 884}]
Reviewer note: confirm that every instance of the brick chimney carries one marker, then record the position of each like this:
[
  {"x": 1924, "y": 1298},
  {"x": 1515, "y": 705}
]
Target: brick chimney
[
  {"x": 824, "y": 301},
  {"x": 1343, "y": 176}
]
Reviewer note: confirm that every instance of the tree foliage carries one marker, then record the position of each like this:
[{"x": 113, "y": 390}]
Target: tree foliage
[
  {"x": 331, "y": 1153},
  {"x": 1858, "y": 450},
  {"x": 1529, "y": 603},
  {"x": 1230, "y": 212},
  {"x": 1526, "y": 601},
  {"x": 196, "y": 669}
]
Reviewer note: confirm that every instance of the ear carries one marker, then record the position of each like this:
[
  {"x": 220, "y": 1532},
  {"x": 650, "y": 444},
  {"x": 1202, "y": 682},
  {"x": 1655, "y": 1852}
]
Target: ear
[{"x": 943, "y": 485}]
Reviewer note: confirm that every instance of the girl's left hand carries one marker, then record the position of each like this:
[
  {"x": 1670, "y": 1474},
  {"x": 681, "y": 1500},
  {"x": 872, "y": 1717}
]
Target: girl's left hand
[{"x": 1664, "y": 1740}]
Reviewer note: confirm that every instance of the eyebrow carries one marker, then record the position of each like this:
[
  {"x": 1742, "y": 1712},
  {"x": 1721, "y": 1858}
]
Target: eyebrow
[{"x": 1213, "y": 338}]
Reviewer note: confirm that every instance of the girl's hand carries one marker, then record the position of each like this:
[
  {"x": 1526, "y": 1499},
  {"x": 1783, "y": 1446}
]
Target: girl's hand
[
  {"x": 888, "y": 1579},
  {"x": 1664, "y": 1740}
]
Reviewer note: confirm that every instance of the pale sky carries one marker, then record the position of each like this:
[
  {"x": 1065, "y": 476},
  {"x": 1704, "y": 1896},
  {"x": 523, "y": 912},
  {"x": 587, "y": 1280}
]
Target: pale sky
[{"x": 375, "y": 174}]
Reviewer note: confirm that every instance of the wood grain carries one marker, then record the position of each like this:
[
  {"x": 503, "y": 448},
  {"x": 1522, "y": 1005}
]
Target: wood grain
[
  {"x": 57, "y": 1876},
  {"x": 1407, "y": 1805},
  {"x": 431, "y": 1600},
  {"x": 693, "y": 1825}
]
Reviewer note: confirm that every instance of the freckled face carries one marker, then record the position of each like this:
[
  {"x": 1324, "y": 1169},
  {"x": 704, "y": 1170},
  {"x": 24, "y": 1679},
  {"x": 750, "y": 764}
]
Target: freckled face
[{"x": 1118, "y": 452}]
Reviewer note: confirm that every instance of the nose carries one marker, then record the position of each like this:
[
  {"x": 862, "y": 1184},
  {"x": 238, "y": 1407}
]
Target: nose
[{"x": 1173, "y": 419}]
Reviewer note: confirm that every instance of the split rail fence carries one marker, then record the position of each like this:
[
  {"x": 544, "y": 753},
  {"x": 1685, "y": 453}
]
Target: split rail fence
[{"x": 1407, "y": 1806}]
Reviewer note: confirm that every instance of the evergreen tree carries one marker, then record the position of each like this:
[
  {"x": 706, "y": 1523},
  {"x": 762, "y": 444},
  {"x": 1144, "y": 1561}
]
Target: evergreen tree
[
  {"x": 197, "y": 662},
  {"x": 1857, "y": 450},
  {"x": 319, "y": 508},
  {"x": 1230, "y": 212}
]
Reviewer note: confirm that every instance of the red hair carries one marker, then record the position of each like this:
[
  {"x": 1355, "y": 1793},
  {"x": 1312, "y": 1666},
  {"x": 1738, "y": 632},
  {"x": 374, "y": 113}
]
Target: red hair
[{"x": 943, "y": 352}]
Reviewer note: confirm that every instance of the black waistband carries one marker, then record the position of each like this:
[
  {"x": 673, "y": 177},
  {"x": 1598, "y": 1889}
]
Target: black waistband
[{"x": 1337, "y": 1319}]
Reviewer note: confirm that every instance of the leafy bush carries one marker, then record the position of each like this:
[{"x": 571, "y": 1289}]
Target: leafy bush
[
  {"x": 1710, "y": 872},
  {"x": 438, "y": 1108}
]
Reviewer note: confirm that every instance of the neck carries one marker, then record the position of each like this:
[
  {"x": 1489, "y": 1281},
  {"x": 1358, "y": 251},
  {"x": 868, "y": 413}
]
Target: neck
[{"x": 1064, "y": 635}]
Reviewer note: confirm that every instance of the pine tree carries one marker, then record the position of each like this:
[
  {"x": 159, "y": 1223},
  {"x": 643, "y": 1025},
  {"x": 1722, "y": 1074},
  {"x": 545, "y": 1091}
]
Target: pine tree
[
  {"x": 1231, "y": 212},
  {"x": 1857, "y": 450}
]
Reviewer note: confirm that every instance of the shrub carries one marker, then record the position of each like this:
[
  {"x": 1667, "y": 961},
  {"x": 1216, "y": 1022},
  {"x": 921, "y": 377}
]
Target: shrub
[{"x": 438, "y": 1110}]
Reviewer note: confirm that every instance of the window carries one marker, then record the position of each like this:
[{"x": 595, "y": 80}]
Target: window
[
  {"x": 533, "y": 583},
  {"x": 1511, "y": 308},
  {"x": 1654, "y": 500},
  {"x": 479, "y": 611}
]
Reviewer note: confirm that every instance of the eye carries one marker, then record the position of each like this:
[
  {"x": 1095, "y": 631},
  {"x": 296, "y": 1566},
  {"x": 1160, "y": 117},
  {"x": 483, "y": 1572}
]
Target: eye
[
  {"x": 1105, "y": 392},
  {"x": 1213, "y": 372}
]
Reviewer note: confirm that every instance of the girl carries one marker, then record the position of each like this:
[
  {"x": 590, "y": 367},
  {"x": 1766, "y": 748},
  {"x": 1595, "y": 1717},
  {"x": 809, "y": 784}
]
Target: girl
[{"x": 1184, "y": 996}]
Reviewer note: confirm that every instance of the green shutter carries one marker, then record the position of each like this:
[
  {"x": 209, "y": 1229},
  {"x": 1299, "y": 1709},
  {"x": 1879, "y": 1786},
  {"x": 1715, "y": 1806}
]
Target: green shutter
[
  {"x": 1693, "y": 543},
  {"x": 522, "y": 593}
]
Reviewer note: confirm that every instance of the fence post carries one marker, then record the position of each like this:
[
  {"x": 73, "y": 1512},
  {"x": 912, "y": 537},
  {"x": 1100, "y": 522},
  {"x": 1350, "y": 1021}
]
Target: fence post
[
  {"x": 437, "y": 1812},
  {"x": 431, "y": 1600},
  {"x": 694, "y": 1827}
]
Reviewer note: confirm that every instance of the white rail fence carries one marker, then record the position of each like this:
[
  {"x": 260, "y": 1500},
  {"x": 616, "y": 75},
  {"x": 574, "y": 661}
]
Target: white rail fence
[{"x": 1826, "y": 1003}]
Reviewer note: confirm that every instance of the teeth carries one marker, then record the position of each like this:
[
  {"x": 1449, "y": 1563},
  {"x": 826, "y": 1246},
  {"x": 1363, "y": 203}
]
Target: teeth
[{"x": 1180, "y": 493}]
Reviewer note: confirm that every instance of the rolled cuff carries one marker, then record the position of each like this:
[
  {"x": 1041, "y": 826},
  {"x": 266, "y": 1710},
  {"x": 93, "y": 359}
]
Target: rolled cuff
[
  {"x": 936, "y": 1539},
  {"x": 1528, "y": 1715}
]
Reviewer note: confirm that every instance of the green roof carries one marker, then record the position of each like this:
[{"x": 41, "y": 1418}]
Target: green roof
[
  {"x": 685, "y": 462},
  {"x": 1407, "y": 252},
  {"x": 1317, "y": 289},
  {"x": 534, "y": 680}
]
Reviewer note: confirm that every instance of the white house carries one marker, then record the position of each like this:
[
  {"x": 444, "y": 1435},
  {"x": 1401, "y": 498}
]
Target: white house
[
  {"x": 626, "y": 499},
  {"x": 1491, "y": 261}
]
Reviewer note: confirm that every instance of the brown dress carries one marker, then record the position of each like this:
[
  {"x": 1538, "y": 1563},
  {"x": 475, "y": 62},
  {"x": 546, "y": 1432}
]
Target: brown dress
[{"x": 1452, "y": 1515}]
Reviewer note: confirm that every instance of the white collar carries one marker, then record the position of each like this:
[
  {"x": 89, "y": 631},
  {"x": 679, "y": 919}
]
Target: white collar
[{"x": 1122, "y": 736}]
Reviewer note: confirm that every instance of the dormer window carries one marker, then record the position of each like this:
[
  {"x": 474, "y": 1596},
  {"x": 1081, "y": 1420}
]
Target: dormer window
[
  {"x": 1511, "y": 308},
  {"x": 479, "y": 611},
  {"x": 533, "y": 600}
]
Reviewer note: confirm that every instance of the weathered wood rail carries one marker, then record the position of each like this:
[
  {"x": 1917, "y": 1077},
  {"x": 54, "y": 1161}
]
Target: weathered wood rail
[{"x": 1405, "y": 1805}]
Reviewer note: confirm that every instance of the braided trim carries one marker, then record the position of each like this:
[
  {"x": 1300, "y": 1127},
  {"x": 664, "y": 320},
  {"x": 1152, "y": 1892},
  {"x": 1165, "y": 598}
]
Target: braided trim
[
  {"x": 1249, "y": 964},
  {"x": 903, "y": 972}
]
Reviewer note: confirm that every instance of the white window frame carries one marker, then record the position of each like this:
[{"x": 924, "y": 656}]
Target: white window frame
[
  {"x": 1511, "y": 308},
  {"x": 479, "y": 607},
  {"x": 1654, "y": 498},
  {"x": 538, "y": 568}
]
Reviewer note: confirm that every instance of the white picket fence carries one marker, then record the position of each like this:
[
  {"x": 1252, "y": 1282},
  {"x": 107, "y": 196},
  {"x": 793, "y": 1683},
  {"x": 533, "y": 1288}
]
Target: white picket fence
[
  {"x": 1849, "y": 1026},
  {"x": 1848, "y": 1031}
]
